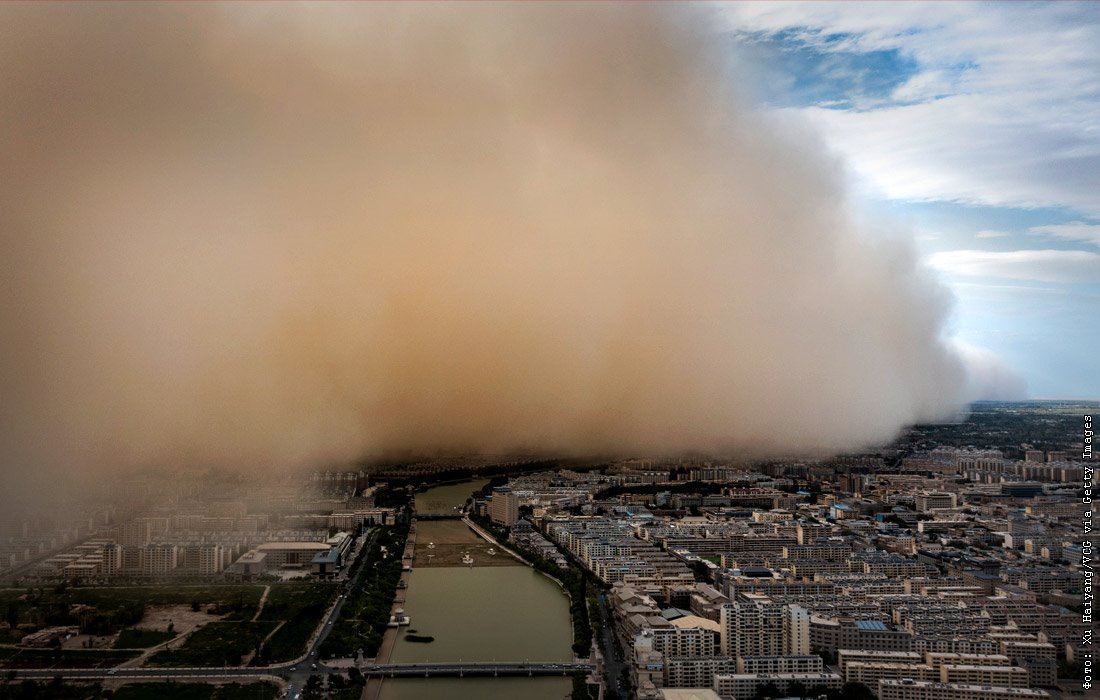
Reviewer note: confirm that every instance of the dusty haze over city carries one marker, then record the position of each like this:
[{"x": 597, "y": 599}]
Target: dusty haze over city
[{"x": 261, "y": 237}]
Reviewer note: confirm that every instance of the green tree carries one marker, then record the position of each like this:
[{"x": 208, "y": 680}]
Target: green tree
[
  {"x": 856, "y": 691},
  {"x": 356, "y": 676}
]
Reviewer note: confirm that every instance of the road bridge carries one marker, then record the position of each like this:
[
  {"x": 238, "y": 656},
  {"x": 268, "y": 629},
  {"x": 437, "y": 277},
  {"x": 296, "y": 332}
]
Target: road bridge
[
  {"x": 474, "y": 668},
  {"x": 427, "y": 669}
]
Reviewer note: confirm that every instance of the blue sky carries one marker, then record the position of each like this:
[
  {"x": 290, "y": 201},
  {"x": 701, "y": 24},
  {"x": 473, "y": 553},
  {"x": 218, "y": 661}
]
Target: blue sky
[{"x": 977, "y": 127}]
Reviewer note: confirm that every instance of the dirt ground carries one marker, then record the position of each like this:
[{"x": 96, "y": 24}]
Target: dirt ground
[
  {"x": 181, "y": 616},
  {"x": 78, "y": 642},
  {"x": 156, "y": 618}
]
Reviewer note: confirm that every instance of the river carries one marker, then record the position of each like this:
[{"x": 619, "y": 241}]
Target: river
[
  {"x": 479, "y": 613},
  {"x": 442, "y": 500}
]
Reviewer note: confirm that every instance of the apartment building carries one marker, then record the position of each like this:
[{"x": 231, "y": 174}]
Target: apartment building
[
  {"x": 1009, "y": 676},
  {"x": 780, "y": 664},
  {"x": 833, "y": 634},
  {"x": 869, "y": 673},
  {"x": 906, "y": 689},
  {"x": 743, "y": 686},
  {"x": 755, "y": 625}
]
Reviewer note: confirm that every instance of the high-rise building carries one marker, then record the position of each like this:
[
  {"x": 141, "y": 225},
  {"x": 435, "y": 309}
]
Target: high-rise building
[
  {"x": 136, "y": 533},
  {"x": 504, "y": 506},
  {"x": 755, "y": 625}
]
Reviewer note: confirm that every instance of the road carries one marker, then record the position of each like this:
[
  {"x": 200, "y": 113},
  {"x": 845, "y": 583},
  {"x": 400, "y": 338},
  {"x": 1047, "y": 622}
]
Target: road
[
  {"x": 301, "y": 668},
  {"x": 613, "y": 665},
  {"x": 467, "y": 668},
  {"x": 295, "y": 673}
]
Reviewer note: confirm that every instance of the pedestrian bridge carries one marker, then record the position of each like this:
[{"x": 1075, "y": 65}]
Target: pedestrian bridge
[{"x": 475, "y": 668}]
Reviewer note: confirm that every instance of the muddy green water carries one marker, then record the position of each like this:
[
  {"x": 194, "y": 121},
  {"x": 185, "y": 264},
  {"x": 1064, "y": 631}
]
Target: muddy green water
[
  {"x": 476, "y": 613},
  {"x": 477, "y": 689},
  {"x": 442, "y": 500}
]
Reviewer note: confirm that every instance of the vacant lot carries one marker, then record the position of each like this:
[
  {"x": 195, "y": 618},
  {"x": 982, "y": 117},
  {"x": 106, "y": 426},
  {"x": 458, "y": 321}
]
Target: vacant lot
[
  {"x": 180, "y": 619},
  {"x": 215, "y": 620},
  {"x": 280, "y": 632},
  {"x": 141, "y": 638}
]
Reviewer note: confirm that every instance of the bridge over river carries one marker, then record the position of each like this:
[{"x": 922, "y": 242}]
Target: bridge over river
[
  {"x": 473, "y": 668},
  {"x": 456, "y": 669}
]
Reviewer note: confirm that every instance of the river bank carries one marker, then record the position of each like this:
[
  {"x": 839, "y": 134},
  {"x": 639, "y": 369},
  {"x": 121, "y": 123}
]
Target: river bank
[{"x": 494, "y": 609}]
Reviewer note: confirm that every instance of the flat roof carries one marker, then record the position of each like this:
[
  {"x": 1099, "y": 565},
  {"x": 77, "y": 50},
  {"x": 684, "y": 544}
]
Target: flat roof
[
  {"x": 689, "y": 694},
  {"x": 315, "y": 546},
  {"x": 333, "y": 555}
]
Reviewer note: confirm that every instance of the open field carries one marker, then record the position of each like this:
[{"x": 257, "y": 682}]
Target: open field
[
  {"x": 299, "y": 607},
  {"x": 223, "y": 643},
  {"x": 19, "y": 657},
  {"x": 223, "y": 595},
  {"x": 215, "y": 622},
  {"x": 181, "y": 619},
  {"x": 196, "y": 691},
  {"x": 279, "y": 633},
  {"x": 135, "y": 638}
]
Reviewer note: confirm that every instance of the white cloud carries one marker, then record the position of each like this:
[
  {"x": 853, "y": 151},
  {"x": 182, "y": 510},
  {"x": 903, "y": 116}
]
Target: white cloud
[
  {"x": 1011, "y": 94},
  {"x": 1074, "y": 231},
  {"x": 990, "y": 233},
  {"x": 1038, "y": 265}
]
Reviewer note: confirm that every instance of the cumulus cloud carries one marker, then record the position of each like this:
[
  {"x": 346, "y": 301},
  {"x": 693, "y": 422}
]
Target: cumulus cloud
[
  {"x": 272, "y": 235},
  {"x": 1040, "y": 265},
  {"x": 1000, "y": 110}
]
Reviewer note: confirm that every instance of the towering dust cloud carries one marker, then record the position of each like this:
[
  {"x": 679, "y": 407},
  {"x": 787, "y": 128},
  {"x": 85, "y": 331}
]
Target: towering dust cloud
[{"x": 267, "y": 235}]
